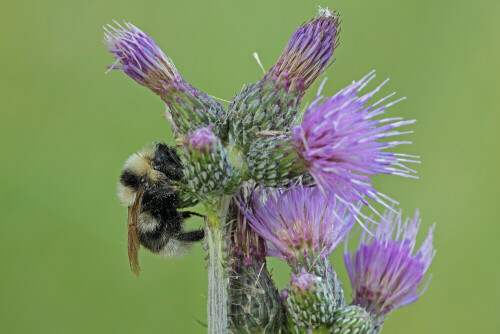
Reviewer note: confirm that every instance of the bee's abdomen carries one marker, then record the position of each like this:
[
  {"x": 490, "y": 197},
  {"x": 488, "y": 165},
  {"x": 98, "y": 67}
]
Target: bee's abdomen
[
  {"x": 153, "y": 240},
  {"x": 156, "y": 229}
]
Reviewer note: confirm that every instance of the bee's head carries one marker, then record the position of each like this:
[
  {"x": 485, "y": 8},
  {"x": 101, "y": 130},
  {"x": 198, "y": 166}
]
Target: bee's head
[
  {"x": 166, "y": 160},
  {"x": 139, "y": 171}
]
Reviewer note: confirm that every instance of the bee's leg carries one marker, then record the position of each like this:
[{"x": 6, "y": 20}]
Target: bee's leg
[
  {"x": 187, "y": 214},
  {"x": 191, "y": 236}
]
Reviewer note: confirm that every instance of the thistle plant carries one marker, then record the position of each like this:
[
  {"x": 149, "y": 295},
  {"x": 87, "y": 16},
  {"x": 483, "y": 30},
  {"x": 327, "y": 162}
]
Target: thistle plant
[{"x": 288, "y": 183}]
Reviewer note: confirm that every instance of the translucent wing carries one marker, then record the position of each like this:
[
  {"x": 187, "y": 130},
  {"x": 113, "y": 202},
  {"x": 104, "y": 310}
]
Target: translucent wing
[{"x": 133, "y": 238}]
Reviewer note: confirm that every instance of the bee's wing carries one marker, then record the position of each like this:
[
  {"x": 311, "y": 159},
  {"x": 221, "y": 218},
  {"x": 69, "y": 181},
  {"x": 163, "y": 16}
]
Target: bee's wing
[{"x": 133, "y": 238}]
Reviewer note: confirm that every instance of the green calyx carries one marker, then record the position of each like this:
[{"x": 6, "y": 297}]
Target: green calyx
[
  {"x": 352, "y": 319},
  {"x": 191, "y": 109},
  {"x": 273, "y": 160},
  {"x": 266, "y": 105},
  {"x": 209, "y": 171},
  {"x": 313, "y": 297},
  {"x": 255, "y": 305}
]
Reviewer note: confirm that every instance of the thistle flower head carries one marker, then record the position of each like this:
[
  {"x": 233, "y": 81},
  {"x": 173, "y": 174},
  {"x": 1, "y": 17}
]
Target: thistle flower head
[
  {"x": 142, "y": 60},
  {"x": 342, "y": 144},
  {"x": 308, "y": 52},
  {"x": 385, "y": 271},
  {"x": 298, "y": 223},
  {"x": 139, "y": 55}
]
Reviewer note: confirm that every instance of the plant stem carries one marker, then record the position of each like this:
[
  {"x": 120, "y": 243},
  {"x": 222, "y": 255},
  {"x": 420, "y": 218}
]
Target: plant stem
[{"x": 217, "y": 277}]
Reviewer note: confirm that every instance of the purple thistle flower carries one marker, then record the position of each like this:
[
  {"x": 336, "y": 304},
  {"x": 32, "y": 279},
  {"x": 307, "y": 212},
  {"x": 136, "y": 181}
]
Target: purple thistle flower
[
  {"x": 342, "y": 144},
  {"x": 140, "y": 57},
  {"x": 308, "y": 52},
  {"x": 298, "y": 223},
  {"x": 384, "y": 272},
  {"x": 142, "y": 60},
  {"x": 202, "y": 140}
]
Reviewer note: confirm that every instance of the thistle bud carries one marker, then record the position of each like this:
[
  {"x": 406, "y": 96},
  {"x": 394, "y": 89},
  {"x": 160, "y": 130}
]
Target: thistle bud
[
  {"x": 142, "y": 60},
  {"x": 311, "y": 301},
  {"x": 207, "y": 167},
  {"x": 272, "y": 102},
  {"x": 352, "y": 320},
  {"x": 308, "y": 52}
]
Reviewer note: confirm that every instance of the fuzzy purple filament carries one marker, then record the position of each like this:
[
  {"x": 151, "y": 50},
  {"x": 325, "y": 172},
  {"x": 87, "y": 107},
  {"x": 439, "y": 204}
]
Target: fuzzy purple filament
[
  {"x": 140, "y": 57},
  {"x": 308, "y": 52},
  {"x": 385, "y": 272},
  {"x": 298, "y": 222},
  {"x": 342, "y": 144}
]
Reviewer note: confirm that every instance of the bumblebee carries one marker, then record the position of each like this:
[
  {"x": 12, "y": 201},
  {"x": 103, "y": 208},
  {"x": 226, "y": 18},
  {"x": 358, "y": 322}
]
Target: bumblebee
[{"x": 153, "y": 201}]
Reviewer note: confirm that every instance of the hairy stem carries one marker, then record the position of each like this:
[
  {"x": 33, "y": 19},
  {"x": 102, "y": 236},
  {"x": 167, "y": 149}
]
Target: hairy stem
[{"x": 217, "y": 277}]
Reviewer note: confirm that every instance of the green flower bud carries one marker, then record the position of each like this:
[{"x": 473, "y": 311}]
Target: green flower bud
[
  {"x": 207, "y": 167},
  {"x": 263, "y": 106},
  {"x": 271, "y": 103},
  {"x": 352, "y": 320},
  {"x": 312, "y": 299},
  {"x": 190, "y": 109},
  {"x": 273, "y": 161}
]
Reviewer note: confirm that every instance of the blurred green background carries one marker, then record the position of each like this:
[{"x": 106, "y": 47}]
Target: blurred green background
[{"x": 66, "y": 128}]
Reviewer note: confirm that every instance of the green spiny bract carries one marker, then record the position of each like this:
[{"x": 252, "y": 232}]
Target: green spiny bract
[
  {"x": 273, "y": 160},
  {"x": 311, "y": 299},
  {"x": 352, "y": 319},
  {"x": 191, "y": 109},
  {"x": 186, "y": 199},
  {"x": 254, "y": 302},
  {"x": 263, "y": 106},
  {"x": 255, "y": 305}
]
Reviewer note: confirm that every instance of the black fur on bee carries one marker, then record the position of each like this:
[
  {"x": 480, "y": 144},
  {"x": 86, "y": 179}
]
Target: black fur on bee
[{"x": 147, "y": 177}]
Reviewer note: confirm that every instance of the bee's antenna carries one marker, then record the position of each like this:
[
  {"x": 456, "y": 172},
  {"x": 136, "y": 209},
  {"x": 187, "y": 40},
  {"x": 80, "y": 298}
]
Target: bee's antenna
[{"x": 256, "y": 57}]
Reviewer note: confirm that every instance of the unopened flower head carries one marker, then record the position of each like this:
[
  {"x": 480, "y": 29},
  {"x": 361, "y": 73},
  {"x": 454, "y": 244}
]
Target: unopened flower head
[
  {"x": 309, "y": 51},
  {"x": 202, "y": 140},
  {"x": 298, "y": 222},
  {"x": 140, "y": 56},
  {"x": 311, "y": 300},
  {"x": 342, "y": 144},
  {"x": 385, "y": 271},
  {"x": 207, "y": 167},
  {"x": 303, "y": 282}
]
